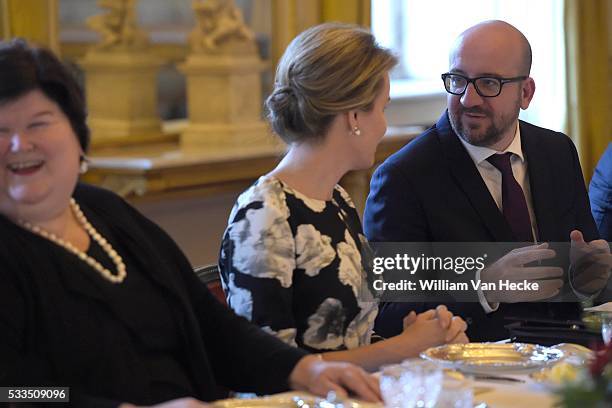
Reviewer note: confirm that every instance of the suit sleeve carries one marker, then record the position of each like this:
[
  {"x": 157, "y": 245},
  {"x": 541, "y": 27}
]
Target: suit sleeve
[
  {"x": 393, "y": 212},
  {"x": 600, "y": 193}
]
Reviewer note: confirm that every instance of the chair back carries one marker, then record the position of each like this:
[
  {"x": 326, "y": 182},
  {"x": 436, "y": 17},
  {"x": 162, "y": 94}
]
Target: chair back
[{"x": 209, "y": 275}]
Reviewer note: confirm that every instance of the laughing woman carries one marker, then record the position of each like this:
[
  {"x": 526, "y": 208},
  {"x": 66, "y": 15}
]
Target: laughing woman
[
  {"x": 94, "y": 296},
  {"x": 291, "y": 257}
]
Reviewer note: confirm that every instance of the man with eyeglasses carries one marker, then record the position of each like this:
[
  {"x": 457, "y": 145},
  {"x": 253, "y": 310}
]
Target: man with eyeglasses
[{"x": 481, "y": 175}]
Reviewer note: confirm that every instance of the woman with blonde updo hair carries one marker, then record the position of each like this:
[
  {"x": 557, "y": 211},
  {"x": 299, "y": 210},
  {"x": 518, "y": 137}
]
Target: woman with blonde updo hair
[{"x": 291, "y": 257}]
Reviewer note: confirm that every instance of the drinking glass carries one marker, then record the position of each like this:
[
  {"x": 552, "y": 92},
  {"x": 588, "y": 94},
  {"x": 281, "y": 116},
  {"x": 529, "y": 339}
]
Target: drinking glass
[
  {"x": 414, "y": 383},
  {"x": 391, "y": 387},
  {"x": 456, "y": 393}
]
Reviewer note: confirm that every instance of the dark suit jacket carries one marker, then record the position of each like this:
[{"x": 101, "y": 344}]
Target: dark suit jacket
[
  {"x": 57, "y": 328},
  {"x": 600, "y": 192},
  {"x": 431, "y": 191}
]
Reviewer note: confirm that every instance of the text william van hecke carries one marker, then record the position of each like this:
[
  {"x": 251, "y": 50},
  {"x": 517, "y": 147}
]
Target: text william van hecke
[{"x": 448, "y": 285}]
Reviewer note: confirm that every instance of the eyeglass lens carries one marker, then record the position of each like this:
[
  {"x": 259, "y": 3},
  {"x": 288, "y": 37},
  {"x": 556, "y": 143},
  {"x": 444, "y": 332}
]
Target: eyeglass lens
[{"x": 484, "y": 86}]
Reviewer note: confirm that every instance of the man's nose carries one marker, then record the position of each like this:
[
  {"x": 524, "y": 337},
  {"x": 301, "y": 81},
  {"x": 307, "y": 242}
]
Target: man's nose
[{"x": 470, "y": 97}]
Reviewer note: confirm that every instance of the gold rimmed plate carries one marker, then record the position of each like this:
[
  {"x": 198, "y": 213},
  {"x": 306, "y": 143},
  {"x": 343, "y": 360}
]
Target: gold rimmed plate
[
  {"x": 555, "y": 377},
  {"x": 488, "y": 358}
]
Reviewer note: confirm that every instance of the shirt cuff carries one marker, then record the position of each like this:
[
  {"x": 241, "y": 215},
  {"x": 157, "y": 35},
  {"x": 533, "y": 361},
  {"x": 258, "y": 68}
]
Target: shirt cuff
[{"x": 487, "y": 307}]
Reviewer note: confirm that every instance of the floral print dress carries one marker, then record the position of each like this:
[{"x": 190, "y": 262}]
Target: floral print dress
[{"x": 293, "y": 265}]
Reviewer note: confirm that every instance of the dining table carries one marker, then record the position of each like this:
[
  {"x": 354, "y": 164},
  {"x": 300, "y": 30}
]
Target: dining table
[
  {"x": 501, "y": 374},
  {"x": 503, "y": 391},
  {"x": 524, "y": 392}
]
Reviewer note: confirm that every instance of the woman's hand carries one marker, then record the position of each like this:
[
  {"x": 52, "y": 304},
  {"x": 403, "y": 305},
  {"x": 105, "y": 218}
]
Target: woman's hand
[
  {"x": 456, "y": 325},
  {"x": 434, "y": 328},
  {"x": 319, "y": 377},
  {"x": 177, "y": 403}
]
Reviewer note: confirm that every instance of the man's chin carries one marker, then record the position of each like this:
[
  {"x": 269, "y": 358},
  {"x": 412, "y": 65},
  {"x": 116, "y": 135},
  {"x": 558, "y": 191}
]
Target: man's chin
[
  {"x": 474, "y": 133},
  {"x": 473, "y": 137}
]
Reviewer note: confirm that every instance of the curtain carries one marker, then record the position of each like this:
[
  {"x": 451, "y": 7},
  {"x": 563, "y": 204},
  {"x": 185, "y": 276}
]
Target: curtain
[
  {"x": 34, "y": 20},
  {"x": 589, "y": 79},
  {"x": 347, "y": 11},
  {"x": 290, "y": 17}
]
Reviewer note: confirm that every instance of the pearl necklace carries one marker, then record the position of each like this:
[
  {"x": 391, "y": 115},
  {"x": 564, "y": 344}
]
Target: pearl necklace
[{"x": 95, "y": 235}]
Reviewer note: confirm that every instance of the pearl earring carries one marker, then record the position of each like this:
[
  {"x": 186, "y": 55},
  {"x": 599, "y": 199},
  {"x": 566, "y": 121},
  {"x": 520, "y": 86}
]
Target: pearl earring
[
  {"x": 356, "y": 131},
  {"x": 84, "y": 165}
]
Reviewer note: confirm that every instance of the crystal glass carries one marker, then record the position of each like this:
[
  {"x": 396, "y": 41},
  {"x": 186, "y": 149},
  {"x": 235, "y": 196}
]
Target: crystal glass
[
  {"x": 456, "y": 393},
  {"x": 414, "y": 383}
]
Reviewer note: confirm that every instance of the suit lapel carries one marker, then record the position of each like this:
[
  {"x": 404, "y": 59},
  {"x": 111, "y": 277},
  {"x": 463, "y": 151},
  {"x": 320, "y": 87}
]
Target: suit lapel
[
  {"x": 540, "y": 181},
  {"x": 467, "y": 177}
]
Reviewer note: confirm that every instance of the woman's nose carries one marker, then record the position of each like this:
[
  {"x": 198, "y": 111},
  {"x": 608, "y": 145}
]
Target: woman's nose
[{"x": 20, "y": 142}]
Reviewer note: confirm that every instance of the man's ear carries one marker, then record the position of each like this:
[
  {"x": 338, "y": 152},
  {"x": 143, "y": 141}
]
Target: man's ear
[{"x": 527, "y": 92}]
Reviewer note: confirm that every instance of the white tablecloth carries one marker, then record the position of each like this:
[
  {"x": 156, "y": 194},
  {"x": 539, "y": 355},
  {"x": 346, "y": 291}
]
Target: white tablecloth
[
  {"x": 499, "y": 394},
  {"x": 496, "y": 394}
]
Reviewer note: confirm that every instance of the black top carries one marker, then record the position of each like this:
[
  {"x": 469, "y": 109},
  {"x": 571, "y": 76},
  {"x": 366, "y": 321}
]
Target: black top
[
  {"x": 153, "y": 324},
  {"x": 293, "y": 265},
  {"x": 160, "y": 334}
]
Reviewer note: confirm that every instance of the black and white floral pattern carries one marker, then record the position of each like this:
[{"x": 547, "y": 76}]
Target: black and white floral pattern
[{"x": 293, "y": 265}]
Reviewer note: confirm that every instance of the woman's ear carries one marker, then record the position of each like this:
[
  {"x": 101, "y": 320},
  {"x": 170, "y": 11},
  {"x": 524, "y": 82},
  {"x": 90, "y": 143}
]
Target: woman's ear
[
  {"x": 83, "y": 163},
  {"x": 352, "y": 120}
]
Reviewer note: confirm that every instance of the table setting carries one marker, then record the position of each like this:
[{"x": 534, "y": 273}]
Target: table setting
[
  {"x": 473, "y": 375},
  {"x": 500, "y": 374}
]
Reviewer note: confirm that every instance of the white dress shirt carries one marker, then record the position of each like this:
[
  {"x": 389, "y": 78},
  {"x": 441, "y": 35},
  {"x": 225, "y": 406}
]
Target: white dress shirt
[{"x": 493, "y": 180}]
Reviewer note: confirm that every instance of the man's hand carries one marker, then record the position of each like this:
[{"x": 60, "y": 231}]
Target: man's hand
[
  {"x": 512, "y": 267},
  {"x": 320, "y": 377},
  {"x": 591, "y": 263}
]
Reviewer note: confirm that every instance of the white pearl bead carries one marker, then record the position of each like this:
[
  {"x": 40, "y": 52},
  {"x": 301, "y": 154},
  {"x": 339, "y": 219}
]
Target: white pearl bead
[{"x": 95, "y": 235}]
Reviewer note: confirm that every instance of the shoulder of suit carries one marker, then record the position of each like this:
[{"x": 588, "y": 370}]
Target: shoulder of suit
[
  {"x": 422, "y": 152},
  {"x": 531, "y": 130}
]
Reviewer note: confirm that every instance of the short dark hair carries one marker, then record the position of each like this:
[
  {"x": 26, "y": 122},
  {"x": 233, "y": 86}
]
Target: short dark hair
[{"x": 24, "y": 68}]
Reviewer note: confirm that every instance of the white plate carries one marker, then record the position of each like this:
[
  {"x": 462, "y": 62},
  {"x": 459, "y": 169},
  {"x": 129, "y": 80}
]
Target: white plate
[{"x": 492, "y": 358}]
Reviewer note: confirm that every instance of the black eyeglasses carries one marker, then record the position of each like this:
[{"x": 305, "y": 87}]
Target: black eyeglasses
[{"x": 487, "y": 87}]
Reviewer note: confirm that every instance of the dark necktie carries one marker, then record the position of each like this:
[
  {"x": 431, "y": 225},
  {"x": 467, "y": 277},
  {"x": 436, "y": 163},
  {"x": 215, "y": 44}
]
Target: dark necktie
[{"x": 513, "y": 200}]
